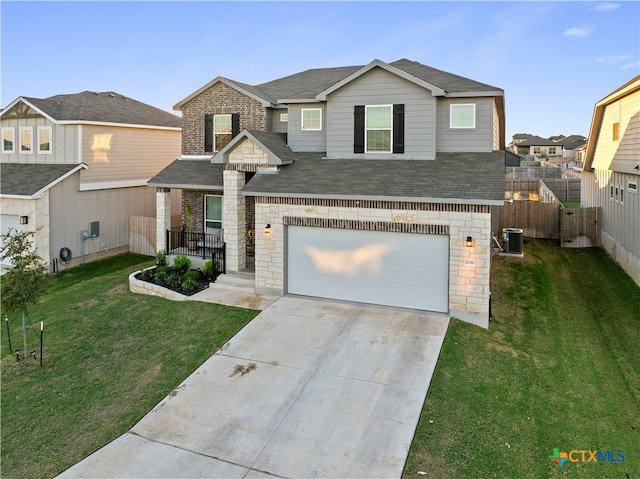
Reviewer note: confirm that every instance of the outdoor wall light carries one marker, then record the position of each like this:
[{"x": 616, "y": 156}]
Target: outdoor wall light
[
  {"x": 468, "y": 242},
  {"x": 24, "y": 220},
  {"x": 267, "y": 228}
]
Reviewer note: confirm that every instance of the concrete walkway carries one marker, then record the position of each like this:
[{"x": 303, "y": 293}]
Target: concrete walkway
[{"x": 309, "y": 388}]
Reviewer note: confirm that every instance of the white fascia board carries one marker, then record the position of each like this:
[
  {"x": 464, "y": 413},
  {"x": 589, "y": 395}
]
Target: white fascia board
[
  {"x": 468, "y": 94},
  {"x": 299, "y": 100},
  {"x": 196, "y": 157},
  {"x": 18, "y": 197},
  {"x": 107, "y": 185},
  {"x": 40, "y": 192},
  {"x": 435, "y": 91},
  {"x": 31, "y": 105},
  {"x": 186, "y": 186},
  {"x": 454, "y": 201},
  {"x": 121, "y": 125}
]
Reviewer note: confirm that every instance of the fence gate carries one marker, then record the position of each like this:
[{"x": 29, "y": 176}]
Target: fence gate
[
  {"x": 580, "y": 227},
  {"x": 142, "y": 235}
]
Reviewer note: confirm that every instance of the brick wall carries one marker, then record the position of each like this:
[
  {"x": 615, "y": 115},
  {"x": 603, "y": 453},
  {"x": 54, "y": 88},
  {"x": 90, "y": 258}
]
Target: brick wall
[
  {"x": 217, "y": 100},
  {"x": 195, "y": 198}
]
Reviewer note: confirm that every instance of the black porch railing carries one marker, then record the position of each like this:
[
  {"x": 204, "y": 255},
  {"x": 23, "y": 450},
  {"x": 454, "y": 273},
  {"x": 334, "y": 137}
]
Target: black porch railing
[{"x": 202, "y": 245}]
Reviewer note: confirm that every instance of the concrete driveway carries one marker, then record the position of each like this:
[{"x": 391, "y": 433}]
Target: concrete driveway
[{"x": 309, "y": 388}]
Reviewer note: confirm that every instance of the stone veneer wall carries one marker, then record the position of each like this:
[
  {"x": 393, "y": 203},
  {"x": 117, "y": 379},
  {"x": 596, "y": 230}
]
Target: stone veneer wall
[
  {"x": 218, "y": 99},
  {"x": 469, "y": 267}
]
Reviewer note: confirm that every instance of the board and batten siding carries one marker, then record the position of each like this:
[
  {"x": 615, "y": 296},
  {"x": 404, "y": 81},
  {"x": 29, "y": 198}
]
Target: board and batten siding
[
  {"x": 120, "y": 154},
  {"x": 71, "y": 211},
  {"x": 64, "y": 142},
  {"x": 273, "y": 120},
  {"x": 306, "y": 140},
  {"x": 480, "y": 138},
  {"x": 379, "y": 87},
  {"x": 496, "y": 127}
]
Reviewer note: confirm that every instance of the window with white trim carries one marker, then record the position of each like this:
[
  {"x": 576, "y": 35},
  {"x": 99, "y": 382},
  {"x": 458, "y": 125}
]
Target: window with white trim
[
  {"x": 462, "y": 115},
  {"x": 552, "y": 150},
  {"x": 212, "y": 213},
  {"x": 26, "y": 139},
  {"x": 378, "y": 128},
  {"x": 611, "y": 192},
  {"x": 284, "y": 117},
  {"x": 632, "y": 187},
  {"x": 537, "y": 150},
  {"x": 221, "y": 131},
  {"x": 617, "y": 193},
  {"x": 312, "y": 119},
  {"x": 44, "y": 140},
  {"x": 8, "y": 140},
  {"x": 621, "y": 195}
]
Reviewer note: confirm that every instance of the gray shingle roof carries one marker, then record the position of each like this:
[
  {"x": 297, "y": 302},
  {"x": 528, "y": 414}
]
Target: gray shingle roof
[
  {"x": 106, "y": 107},
  {"x": 192, "y": 174},
  {"x": 538, "y": 141},
  {"x": 26, "y": 179},
  {"x": 573, "y": 141},
  {"x": 459, "y": 177}
]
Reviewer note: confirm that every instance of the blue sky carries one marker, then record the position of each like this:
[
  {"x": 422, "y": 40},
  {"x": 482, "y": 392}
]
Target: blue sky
[{"x": 554, "y": 60}]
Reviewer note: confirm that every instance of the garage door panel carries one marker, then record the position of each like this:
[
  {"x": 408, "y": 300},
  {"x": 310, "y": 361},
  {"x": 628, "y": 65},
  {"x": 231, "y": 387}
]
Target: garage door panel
[{"x": 395, "y": 269}]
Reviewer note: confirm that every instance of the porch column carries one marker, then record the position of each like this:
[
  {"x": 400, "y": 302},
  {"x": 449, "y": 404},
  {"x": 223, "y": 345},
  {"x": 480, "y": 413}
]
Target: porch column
[
  {"x": 163, "y": 216},
  {"x": 233, "y": 220}
]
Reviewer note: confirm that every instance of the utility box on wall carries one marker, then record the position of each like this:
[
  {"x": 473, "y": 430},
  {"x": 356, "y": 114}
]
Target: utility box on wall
[{"x": 94, "y": 229}]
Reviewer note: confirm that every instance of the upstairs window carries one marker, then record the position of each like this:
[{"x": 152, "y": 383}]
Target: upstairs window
[
  {"x": 378, "y": 125},
  {"x": 219, "y": 130},
  {"x": 284, "y": 117},
  {"x": 378, "y": 129},
  {"x": 312, "y": 119},
  {"x": 8, "y": 140},
  {"x": 462, "y": 115},
  {"x": 44, "y": 140},
  {"x": 616, "y": 131},
  {"x": 26, "y": 140}
]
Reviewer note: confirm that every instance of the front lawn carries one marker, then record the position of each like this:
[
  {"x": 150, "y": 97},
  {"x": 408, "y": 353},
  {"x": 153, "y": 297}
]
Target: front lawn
[
  {"x": 110, "y": 356},
  {"x": 558, "y": 368}
]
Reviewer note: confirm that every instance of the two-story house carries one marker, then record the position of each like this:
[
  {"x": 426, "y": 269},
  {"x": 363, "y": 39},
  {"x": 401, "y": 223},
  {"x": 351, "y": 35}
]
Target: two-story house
[
  {"x": 369, "y": 183},
  {"x": 74, "y": 168},
  {"x": 611, "y": 173}
]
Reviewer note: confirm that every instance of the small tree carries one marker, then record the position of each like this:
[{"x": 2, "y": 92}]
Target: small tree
[{"x": 26, "y": 279}]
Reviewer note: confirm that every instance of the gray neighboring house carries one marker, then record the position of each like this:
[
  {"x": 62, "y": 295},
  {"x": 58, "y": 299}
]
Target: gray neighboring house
[
  {"x": 611, "y": 174},
  {"x": 373, "y": 183},
  {"x": 538, "y": 146},
  {"x": 72, "y": 162}
]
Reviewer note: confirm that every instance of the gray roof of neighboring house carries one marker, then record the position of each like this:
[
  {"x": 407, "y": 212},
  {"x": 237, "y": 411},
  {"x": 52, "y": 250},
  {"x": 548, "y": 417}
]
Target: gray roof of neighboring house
[
  {"x": 104, "y": 107},
  {"x": 190, "y": 174},
  {"x": 512, "y": 159},
  {"x": 307, "y": 84},
  {"x": 572, "y": 142},
  {"x": 455, "y": 177},
  {"x": 538, "y": 141},
  {"x": 27, "y": 179}
]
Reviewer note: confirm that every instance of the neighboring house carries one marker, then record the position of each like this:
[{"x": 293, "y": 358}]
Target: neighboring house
[
  {"x": 611, "y": 173},
  {"x": 570, "y": 144},
  {"x": 540, "y": 147},
  {"x": 74, "y": 168},
  {"x": 516, "y": 139},
  {"x": 371, "y": 183}
]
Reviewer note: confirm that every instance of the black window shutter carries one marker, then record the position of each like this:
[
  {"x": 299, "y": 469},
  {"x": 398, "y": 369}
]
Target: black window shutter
[
  {"x": 398, "y": 128},
  {"x": 208, "y": 132},
  {"x": 235, "y": 124},
  {"x": 358, "y": 129}
]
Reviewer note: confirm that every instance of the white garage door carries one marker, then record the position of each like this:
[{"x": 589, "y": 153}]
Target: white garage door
[
  {"x": 7, "y": 222},
  {"x": 406, "y": 270}
]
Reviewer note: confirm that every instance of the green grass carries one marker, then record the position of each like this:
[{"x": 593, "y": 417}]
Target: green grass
[
  {"x": 110, "y": 356},
  {"x": 571, "y": 204},
  {"x": 558, "y": 368}
]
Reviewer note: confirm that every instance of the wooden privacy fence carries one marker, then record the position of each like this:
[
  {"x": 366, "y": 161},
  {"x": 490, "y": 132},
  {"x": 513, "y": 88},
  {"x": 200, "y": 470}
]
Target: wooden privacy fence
[
  {"x": 142, "y": 233},
  {"x": 575, "y": 227}
]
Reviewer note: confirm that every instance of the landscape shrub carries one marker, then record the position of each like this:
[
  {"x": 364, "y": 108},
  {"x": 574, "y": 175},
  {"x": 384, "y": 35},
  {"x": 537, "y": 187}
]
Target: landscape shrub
[
  {"x": 218, "y": 265},
  {"x": 189, "y": 284},
  {"x": 161, "y": 258},
  {"x": 195, "y": 275},
  {"x": 162, "y": 272},
  {"x": 208, "y": 270},
  {"x": 174, "y": 279},
  {"x": 181, "y": 263},
  {"x": 148, "y": 275}
]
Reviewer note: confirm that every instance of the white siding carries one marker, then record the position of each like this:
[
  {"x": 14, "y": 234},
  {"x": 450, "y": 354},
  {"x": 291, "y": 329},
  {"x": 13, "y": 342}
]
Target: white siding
[
  {"x": 379, "y": 87},
  {"x": 480, "y": 138},
  {"x": 64, "y": 142}
]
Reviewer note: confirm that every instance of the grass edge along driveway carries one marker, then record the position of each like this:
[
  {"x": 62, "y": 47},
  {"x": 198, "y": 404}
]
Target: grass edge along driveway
[
  {"x": 558, "y": 368},
  {"x": 110, "y": 356}
]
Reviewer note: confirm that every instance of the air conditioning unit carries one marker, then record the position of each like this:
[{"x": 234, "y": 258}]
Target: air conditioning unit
[{"x": 512, "y": 240}]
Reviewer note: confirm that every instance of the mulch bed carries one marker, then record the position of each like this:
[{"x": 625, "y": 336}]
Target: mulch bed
[{"x": 201, "y": 285}]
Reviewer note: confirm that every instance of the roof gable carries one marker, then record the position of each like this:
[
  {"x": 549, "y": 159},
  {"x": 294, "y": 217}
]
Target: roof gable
[
  {"x": 249, "y": 90},
  {"x": 97, "y": 107}
]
